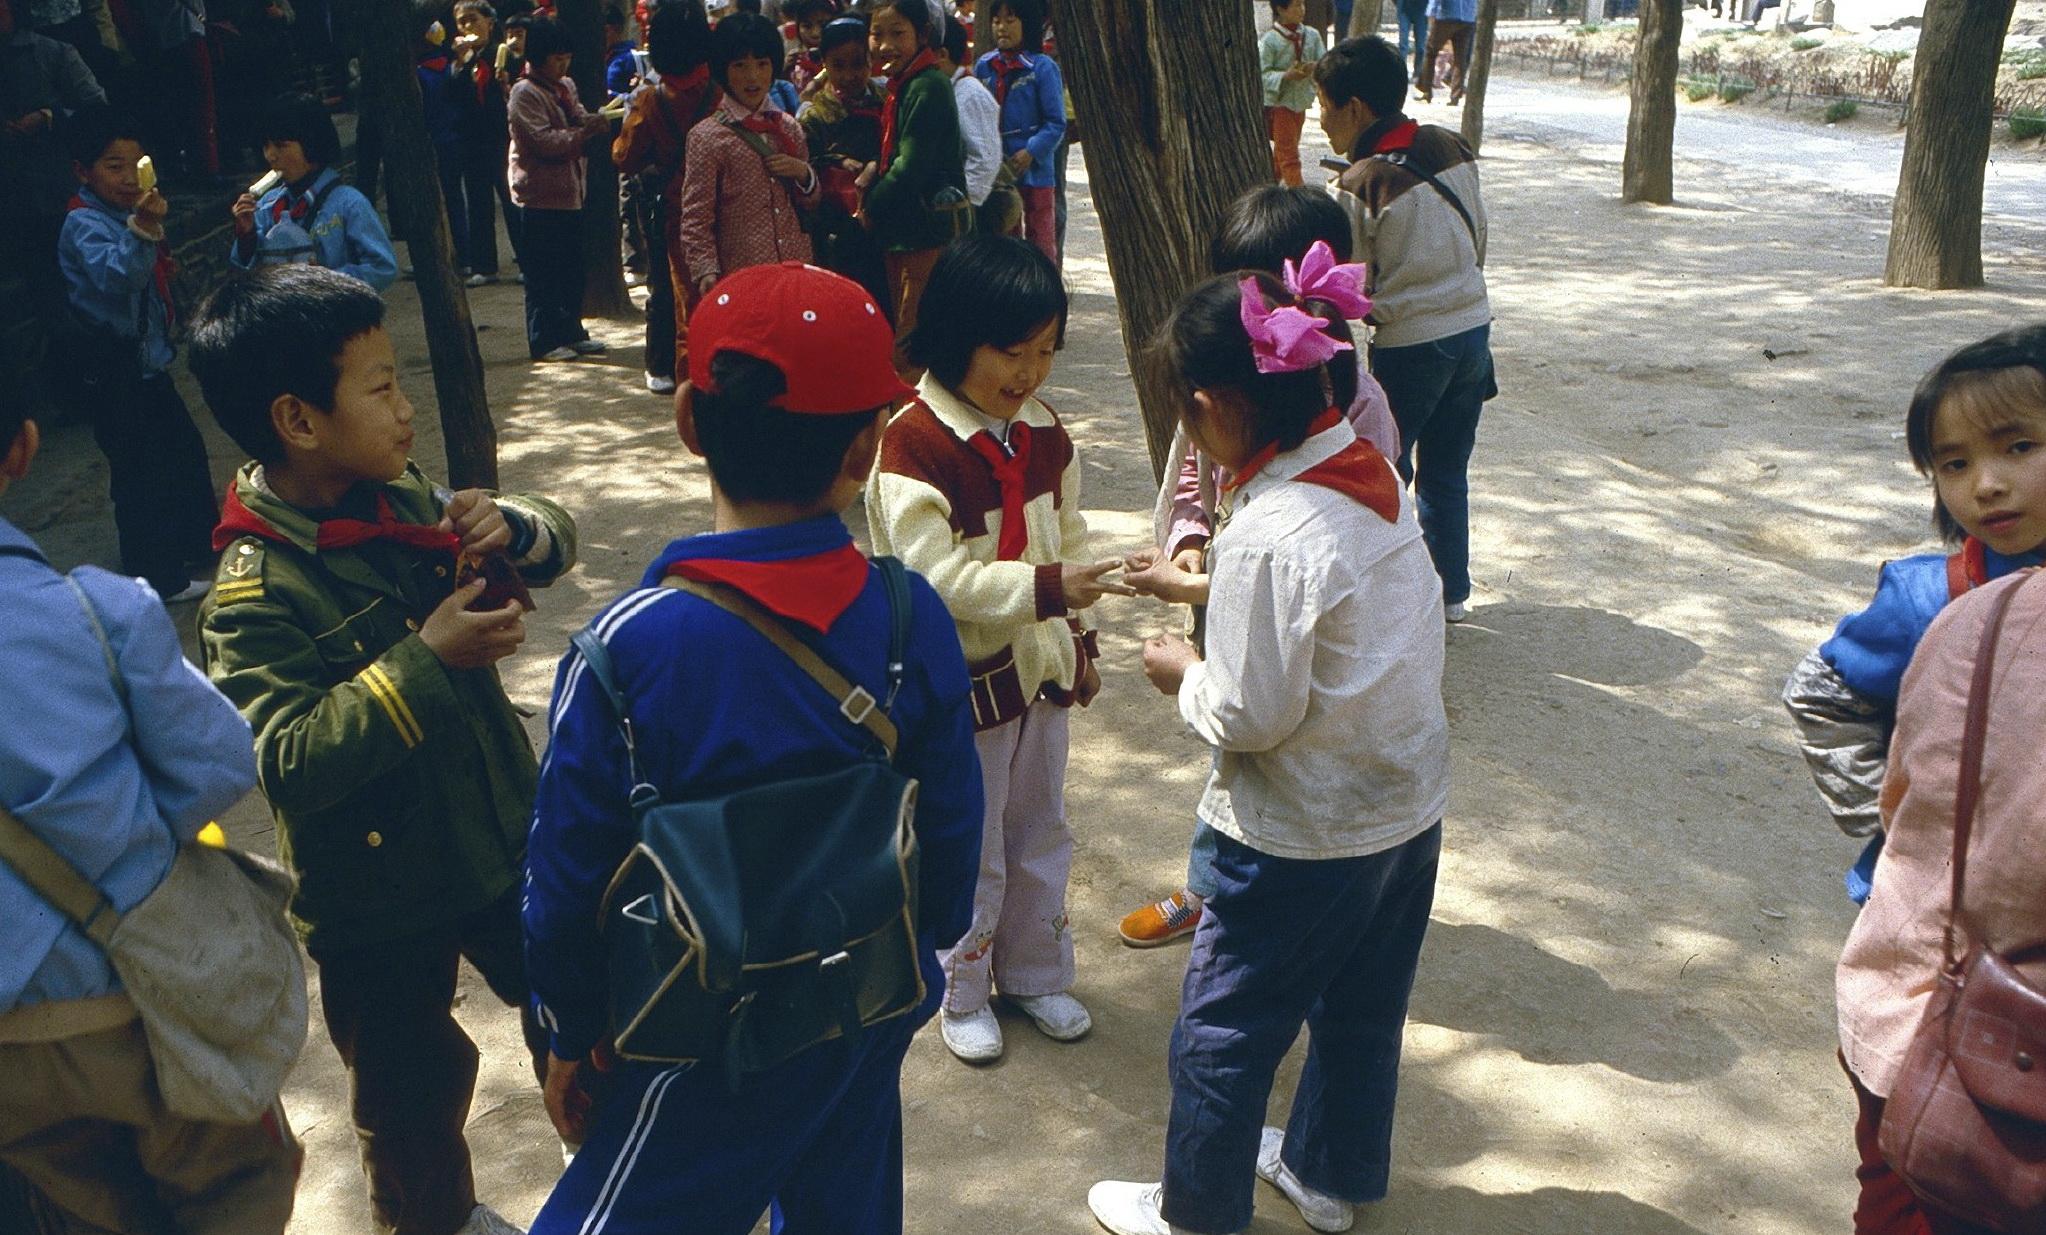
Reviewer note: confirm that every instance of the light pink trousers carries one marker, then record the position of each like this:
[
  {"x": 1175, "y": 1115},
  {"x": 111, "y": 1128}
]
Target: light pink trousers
[{"x": 1018, "y": 939}]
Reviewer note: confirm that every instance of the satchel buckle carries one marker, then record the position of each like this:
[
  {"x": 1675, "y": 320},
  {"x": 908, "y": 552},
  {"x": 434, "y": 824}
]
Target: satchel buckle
[
  {"x": 858, "y": 705},
  {"x": 836, "y": 958}
]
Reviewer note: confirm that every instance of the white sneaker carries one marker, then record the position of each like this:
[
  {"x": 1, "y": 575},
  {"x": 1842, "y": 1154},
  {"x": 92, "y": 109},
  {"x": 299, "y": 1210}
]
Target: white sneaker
[
  {"x": 1128, "y": 1209},
  {"x": 483, "y": 1220},
  {"x": 660, "y": 385},
  {"x": 1320, "y": 1210},
  {"x": 480, "y": 280},
  {"x": 1456, "y": 612},
  {"x": 634, "y": 278},
  {"x": 1061, "y": 1017},
  {"x": 561, "y": 353},
  {"x": 589, "y": 347},
  {"x": 975, "y": 1037},
  {"x": 195, "y": 590}
]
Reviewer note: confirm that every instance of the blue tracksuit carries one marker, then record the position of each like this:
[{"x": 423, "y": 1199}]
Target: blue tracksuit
[
  {"x": 346, "y": 232},
  {"x": 716, "y": 707},
  {"x": 110, "y": 277},
  {"x": 1033, "y": 112}
]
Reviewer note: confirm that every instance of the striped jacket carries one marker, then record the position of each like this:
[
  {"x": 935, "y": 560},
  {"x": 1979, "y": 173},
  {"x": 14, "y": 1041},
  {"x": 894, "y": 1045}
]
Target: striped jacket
[
  {"x": 402, "y": 788},
  {"x": 934, "y": 502},
  {"x": 1427, "y": 264}
]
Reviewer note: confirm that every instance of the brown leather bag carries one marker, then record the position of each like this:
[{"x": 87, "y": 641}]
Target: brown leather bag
[{"x": 1965, "y": 1125}]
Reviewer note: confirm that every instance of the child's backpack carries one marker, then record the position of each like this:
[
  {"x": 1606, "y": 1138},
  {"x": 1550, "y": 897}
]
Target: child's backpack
[
  {"x": 290, "y": 242},
  {"x": 746, "y": 928}
]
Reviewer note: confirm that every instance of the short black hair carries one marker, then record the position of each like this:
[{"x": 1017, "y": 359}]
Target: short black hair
[
  {"x": 1275, "y": 223},
  {"x": 2021, "y": 348},
  {"x": 985, "y": 291},
  {"x": 614, "y": 16},
  {"x": 1203, "y": 346},
  {"x": 274, "y": 331},
  {"x": 801, "y": 11},
  {"x": 519, "y": 21},
  {"x": 920, "y": 15},
  {"x": 89, "y": 132},
  {"x": 747, "y": 6},
  {"x": 547, "y": 37},
  {"x": 840, "y": 31},
  {"x": 1031, "y": 14},
  {"x": 1280, "y": 5},
  {"x": 1367, "y": 68},
  {"x": 759, "y": 453},
  {"x": 303, "y": 119},
  {"x": 743, "y": 36},
  {"x": 955, "y": 40},
  {"x": 476, "y": 6},
  {"x": 678, "y": 37}
]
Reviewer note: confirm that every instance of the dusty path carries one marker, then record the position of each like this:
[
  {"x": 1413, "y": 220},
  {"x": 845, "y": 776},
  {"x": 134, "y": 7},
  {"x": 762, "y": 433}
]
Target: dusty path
[{"x": 1623, "y": 1024}]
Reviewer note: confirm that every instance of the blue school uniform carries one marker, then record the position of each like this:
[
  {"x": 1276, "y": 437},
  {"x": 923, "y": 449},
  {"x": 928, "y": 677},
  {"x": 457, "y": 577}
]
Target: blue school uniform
[
  {"x": 110, "y": 277},
  {"x": 716, "y": 707},
  {"x": 347, "y": 234},
  {"x": 1032, "y": 96}
]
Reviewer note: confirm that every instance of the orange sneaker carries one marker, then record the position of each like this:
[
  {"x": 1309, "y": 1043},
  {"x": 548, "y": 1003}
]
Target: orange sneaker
[{"x": 1163, "y": 922}]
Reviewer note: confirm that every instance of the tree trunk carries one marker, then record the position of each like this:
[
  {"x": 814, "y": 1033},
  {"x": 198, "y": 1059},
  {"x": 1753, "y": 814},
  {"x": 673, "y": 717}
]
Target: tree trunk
[
  {"x": 1647, "y": 174},
  {"x": 419, "y": 215},
  {"x": 1480, "y": 73},
  {"x": 1365, "y": 17},
  {"x": 1936, "y": 224},
  {"x": 1181, "y": 76},
  {"x": 604, "y": 293}
]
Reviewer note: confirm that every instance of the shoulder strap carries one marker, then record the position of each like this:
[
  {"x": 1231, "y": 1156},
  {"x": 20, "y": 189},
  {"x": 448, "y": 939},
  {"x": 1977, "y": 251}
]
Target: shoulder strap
[
  {"x": 1401, "y": 160},
  {"x": 895, "y": 577},
  {"x": 56, "y": 880},
  {"x": 1968, "y": 790},
  {"x": 855, "y": 702},
  {"x": 761, "y": 146}
]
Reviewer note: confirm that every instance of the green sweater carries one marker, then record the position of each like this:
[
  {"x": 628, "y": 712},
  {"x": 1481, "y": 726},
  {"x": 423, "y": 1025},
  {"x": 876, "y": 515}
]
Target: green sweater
[
  {"x": 929, "y": 158},
  {"x": 402, "y": 788}
]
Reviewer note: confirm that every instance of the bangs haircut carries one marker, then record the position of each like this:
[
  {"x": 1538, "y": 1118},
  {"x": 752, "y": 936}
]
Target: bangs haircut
[
  {"x": 1367, "y": 68},
  {"x": 744, "y": 36},
  {"x": 922, "y": 16},
  {"x": 841, "y": 31},
  {"x": 547, "y": 37},
  {"x": 1030, "y": 13},
  {"x": 985, "y": 291},
  {"x": 477, "y": 6},
  {"x": 759, "y": 453},
  {"x": 678, "y": 37},
  {"x": 1998, "y": 381},
  {"x": 87, "y": 134},
  {"x": 303, "y": 119},
  {"x": 1203, "y": 346},
  {"x": 277, "y": 330},
  {"x": 807, "y": 10}
]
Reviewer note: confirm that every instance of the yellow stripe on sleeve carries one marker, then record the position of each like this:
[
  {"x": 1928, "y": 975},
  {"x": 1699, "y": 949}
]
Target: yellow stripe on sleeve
[{"x": 386, "y": 694}]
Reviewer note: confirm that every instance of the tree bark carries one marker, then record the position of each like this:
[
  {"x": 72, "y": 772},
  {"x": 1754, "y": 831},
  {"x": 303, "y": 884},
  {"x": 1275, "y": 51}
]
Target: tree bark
[
  {"x": 1936, "y": 223},
  {"x": 1480, "y": 73},
  {"x": 1181, "y": 76},
  {"x": 419, "y": 215},
  {"x": 604, "y": 293},
  {"x": 1647, "y": 174},
  {"x": 1365, "y": 17}
]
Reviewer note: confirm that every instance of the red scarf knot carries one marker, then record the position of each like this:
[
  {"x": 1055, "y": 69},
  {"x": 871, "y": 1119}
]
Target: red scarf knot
[
  {"x": 237, "y": 520},
  {"x": 890, "y": 111},
  {"x": 1357, "y": 471},
  {"x": 1009, "y": 67},
  {"x": 814, "y": 590},
  {"x": 1011, "y": 465}
]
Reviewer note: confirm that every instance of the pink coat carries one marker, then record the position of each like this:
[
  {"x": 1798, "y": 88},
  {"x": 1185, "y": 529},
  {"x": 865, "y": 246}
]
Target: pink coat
[
  {"x": 735, "y": 213},
  {"x": 547, "y": 144}
]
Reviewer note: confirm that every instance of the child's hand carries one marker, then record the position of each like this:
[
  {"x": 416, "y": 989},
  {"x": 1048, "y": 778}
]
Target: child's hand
[
  {"x": 568, "y": 1097},
  {"x": 788, "y": 166},
  {"x": 867, "y": 175},
  {"x": 1019, "y": 162},
  {"x": 150, "y": 211},
  {"x": 477, "y": 521},
  {"x": 244, "y": 211},
  {"x": 1166, "y": 660},
  {"x": 1087, "y": 687},
  {"x": 1178, "y": 580},
  {"x": 704, "y": 284},
  {"x": 465, "y": 640},
  {"x": 1084, "y": 584}
]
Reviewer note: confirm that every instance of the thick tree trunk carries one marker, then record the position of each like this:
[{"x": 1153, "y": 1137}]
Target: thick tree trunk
[
  {"x": 419, "y": 215},
  {"x": 1365, "y": 17},
  {"x": 1647, "y": 174},
  {"x": 1480, "y": 73},
  {"x": 1936, "y": 224},
  {"x": 604, "y": 293},
  {"x": 1181, "y": 77}
]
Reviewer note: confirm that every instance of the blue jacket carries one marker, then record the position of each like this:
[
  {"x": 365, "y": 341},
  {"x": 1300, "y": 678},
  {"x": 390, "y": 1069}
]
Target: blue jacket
[
  {"x": 715, "y": 708},
  {"x": 110, "y": 278},
  {"x": 108, "y": 785},
  {"x": 348, "y": 234},
  {"x": 621, "y": 69},
  {"x": 1871, "y": 649},
  {"x": 1033, "y": 115},
  {"x": 1453, "y": 10},
  {"x": 437, "y": 87}
]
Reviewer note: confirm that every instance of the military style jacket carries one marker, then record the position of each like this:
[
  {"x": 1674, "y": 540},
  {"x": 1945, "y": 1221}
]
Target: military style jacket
[{"x": 402, "y": 788}]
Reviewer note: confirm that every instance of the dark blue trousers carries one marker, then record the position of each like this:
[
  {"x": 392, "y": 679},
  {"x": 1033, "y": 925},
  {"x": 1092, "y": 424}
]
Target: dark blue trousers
[
  {"x": 1331, "y": 945},
  {"x": 818, "y": 1139},
  {"x": 1437, "y": 390}
]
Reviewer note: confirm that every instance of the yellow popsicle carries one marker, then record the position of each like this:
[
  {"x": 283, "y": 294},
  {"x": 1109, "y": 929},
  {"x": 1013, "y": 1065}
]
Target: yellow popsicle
[
  {"x": 145, "y": 173},
  {"x": 212, "y": 835},
  {"x": 436, "y": 34}
]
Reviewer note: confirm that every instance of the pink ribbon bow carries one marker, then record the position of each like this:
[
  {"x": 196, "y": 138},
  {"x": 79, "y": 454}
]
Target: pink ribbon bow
[
  {"x": 1286, "y": 339},
  {"x": 1320, "y": 277}
]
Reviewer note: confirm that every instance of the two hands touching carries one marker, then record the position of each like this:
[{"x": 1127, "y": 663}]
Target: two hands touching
[
  {"x": 460, "y": 638},
  {"x": 1181, "y": 580}
]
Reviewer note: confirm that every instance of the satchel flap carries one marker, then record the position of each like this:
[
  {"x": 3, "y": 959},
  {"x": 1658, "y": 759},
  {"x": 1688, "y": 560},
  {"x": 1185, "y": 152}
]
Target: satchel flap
[{"x": 1998, "y": 1042}]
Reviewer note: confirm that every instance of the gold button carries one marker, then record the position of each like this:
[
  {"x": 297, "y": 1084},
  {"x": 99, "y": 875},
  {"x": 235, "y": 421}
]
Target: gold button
[
  {"x": 440, "y": 571},
  {"x": 374, "y": 839},
  {"x": 411, "y": 623}
]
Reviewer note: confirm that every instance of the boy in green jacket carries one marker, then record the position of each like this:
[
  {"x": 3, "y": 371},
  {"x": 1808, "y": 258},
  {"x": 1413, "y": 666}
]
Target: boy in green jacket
[{"x": 399, "y": 773}]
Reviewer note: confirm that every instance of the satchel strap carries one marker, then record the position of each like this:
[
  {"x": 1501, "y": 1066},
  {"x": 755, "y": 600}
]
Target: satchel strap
[
  {"x": 1968, "y": 791},
  {"x": 56, "y": 880}
]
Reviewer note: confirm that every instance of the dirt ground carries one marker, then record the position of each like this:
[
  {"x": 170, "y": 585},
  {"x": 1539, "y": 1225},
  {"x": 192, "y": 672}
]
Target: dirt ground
[{"x": 1623, "y": 1020}]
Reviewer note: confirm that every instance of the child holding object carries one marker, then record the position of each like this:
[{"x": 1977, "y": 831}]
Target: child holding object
[
  {"x": 549, "y": 131},
  {"x": 1286, "y": 57},
  {"x": 1031, "y": 95},
  {"x": 1321, "y": 694},
  {"x": 309, "y": 216}
]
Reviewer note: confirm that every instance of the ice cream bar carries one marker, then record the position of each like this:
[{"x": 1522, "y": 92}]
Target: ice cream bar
[
  {"x": 145, "y": 173},
  {"x": 269, "y": 181},
  {"x": 436, "y": 34},
  {"x": 503, "y": 55}
]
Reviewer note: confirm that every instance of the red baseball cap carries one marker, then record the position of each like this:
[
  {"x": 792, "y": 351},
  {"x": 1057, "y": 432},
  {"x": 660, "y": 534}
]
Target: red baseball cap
[{"x": 822, "y": 330}]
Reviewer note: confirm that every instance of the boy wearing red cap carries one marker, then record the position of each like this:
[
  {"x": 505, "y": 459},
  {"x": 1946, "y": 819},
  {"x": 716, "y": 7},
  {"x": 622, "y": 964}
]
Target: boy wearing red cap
[{"x": 789, "y": 370}]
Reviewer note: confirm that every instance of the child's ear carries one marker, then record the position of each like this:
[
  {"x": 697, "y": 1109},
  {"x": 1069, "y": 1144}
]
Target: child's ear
[
  {"x": 685, "y": 418},
  {"x": 292, "y": 418}
]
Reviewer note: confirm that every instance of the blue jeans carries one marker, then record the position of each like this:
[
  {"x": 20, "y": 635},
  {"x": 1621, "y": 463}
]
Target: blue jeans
[
  {"x": 1331, "y": 945},
  {"x": 1200, "y": 861},
  {"x": 1413, "y": 20},
  {"x": 1437, "y": 391}
]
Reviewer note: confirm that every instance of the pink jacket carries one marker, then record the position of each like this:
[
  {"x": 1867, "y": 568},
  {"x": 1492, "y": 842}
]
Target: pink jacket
[
  {"x": 1185, "y": 509},
  {"x": 735, "y": 213},
  {"x": 547, "y": 143},
  {"x": 1890, "y": 965}
]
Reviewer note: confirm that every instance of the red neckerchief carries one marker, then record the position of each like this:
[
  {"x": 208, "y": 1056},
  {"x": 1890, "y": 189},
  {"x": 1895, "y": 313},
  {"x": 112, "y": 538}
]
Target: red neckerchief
[
  {"x": 1399, "y": 136},
  {"x": 1298, "y": 38},
  {"x": 297, "y": 204},
  {"x": 767, "y": 122},
  {"x": 1357, "y": 471},
  {"x": 563, "y": 88},
  {"x": 897, "y": 87},
  {"x": 435, "y": 63},
  {"x": 484, "y": 70},
  {"x": 1010, "y": 465},
  {"x": 1968, "y": 569},
  {"x": 1009, "y": 65},
  {"x": 813, "y": 590},
  {"x": 807, "y": 61},
  {"x": 160, "y": 273},
  {"x": 237, "y": 520}
]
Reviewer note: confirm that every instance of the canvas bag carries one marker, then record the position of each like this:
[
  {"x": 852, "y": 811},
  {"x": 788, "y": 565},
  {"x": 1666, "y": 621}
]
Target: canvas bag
[
  {"x": 1965, "y": 1123},
  {"x": 745, "y": 929},
  {"x": 289, "y": 242},
  {"x": 208, "y": 958}
]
